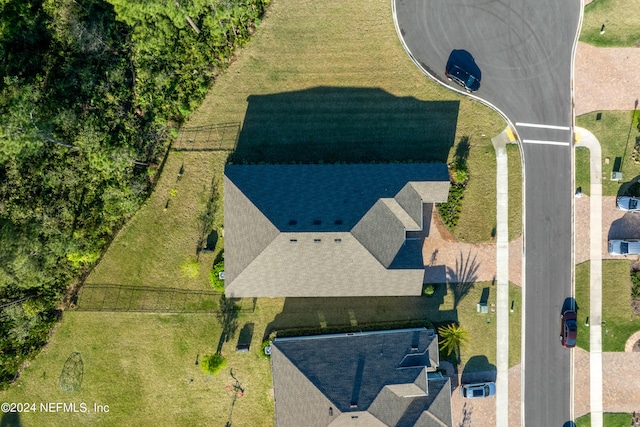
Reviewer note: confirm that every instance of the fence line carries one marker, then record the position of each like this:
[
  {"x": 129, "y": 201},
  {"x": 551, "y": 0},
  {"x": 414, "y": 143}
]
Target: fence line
[
  {"x": 107, "y": 297},
  {"x": 218, "y": 137}
]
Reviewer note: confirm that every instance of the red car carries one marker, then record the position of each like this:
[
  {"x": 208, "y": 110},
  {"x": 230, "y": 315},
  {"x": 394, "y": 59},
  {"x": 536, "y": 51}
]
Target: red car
[{"x": 569, "y": 328}]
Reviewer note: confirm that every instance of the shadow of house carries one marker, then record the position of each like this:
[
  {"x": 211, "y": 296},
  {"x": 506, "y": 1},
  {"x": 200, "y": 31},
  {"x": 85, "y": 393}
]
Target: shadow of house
[
  {"x": 355, "y": 313},
  {"x": 371, "y": 378},
  {"x": 345, "y": 124},
  {"x": 333, "y": 229}
]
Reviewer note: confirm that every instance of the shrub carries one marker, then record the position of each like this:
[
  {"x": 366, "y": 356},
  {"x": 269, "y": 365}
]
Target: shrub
[
  {"x": 265, "y": 344},
  {"x": 213, "y": 363},
  {"x": 429, "y": 290},
  {"x": 450, "y": 210},
  {"x": 214, "y": 277},
  {"x": 459, "y": 173},
  {"x": 635, "y": 284}
]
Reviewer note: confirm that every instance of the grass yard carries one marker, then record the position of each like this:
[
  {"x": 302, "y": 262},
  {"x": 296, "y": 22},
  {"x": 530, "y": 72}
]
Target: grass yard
[
  {"x": 158, "y": 247},
  {"x": 515, "y": 191},
  {"x": 583, "y": 304},
  {"x": 480, "y": 353},
  {"x": 622, "y": 24},
  {"x": 617, "y": 132},
  {"x": 141, "y": 365},
  {"x": 609, "y": 420},
  {"x": 583, "y": 171},
  {"x": 620, "y": 320}
]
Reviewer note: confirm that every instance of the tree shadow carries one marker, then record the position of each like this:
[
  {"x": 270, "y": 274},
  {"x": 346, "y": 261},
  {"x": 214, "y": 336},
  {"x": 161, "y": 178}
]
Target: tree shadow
[
  {"x": 462, "y": 151},
  {"x": 478, "y": 369},
  {"x": 10, "y": 419},
  {"x": 227, "y": 315},
  {"x": 467, "y": 411},
  {"x": 630, "y": 188},
  {"x": 345, "y": 124},
  {"x": 462, "y": 279},
  {"x": 627, "y": 227},
  {"x": 70, "y": 379}
]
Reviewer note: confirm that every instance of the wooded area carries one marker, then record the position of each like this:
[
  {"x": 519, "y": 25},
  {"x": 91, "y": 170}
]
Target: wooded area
[{"x": 91, "y": 94}]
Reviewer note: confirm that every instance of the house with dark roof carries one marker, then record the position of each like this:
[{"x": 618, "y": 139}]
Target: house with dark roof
[
  {"x": 327, "y": 230},
  {"x": 381, "y": 378}
]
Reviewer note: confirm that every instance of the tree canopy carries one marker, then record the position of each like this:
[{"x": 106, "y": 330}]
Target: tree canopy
[{"x": 89, "y": 94}]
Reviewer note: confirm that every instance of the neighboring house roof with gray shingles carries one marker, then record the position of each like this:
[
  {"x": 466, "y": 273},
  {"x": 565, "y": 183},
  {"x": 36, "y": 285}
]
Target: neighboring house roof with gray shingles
[
  {"x": 326, "y": 230},
  {"x": 379, "y": 377}
]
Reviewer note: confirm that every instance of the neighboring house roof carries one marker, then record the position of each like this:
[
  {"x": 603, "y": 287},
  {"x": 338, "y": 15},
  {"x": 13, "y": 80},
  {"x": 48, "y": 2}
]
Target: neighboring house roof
[
  {"x": 369, "y": 378},
  {"x": 326, "y": 230}
]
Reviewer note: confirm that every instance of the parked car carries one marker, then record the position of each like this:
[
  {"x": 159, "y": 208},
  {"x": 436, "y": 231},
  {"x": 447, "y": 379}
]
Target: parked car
[
  {"x": 624, "y": 247},
  {"x": 471, "y": 391},
  {"x": 628, "y": 203},
  {"x": 463, "y": 77},
  {"x": 569, "y": 331}
]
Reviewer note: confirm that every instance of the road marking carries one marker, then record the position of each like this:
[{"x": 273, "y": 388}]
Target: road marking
[
  {"x": 534, "y": 125},
  {"x": 510, "y": 135},
  {"x": 535, "y": 141}
]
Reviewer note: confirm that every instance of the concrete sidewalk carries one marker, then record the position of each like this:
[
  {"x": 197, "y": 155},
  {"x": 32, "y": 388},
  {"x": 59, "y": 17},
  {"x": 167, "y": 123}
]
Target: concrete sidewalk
[
  {"x": 502, "y": 279},
  {"x": 588, "y": 140}
]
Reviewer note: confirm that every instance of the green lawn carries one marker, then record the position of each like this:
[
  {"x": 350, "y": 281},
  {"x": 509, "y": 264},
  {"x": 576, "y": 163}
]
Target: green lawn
[
  {"x": 582, "y": 273},
  {"x": 609, "y": 420},
  {"x": 617, "y": 132},
  {"x": 515, "y": 191},
  {"x": 622, "y": 24},
  {"x": 141, "y": 365},
  {"x": 152, "y": 248},
  {"x": 620, "y": 321},
  {"x": 583, "y": 171}
]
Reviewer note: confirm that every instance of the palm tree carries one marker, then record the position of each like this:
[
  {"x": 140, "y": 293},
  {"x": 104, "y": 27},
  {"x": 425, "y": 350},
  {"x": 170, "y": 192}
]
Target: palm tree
[{"x": 452, "y": 338}]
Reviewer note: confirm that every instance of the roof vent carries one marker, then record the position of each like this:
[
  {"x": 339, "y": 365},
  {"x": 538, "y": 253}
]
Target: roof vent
[
  {"x": 330, "y": 411},
  {"x": 414, "y": 347},
  {"x": 292, "y": 222},
  {"x": 293, "y": 240},
  {"x": 317, "y": 222},
  {"x": 338, "y": 222},
  {"x": 317, "y": 240},
  {"x": 353, "y": 405},
  {"x": 337, "y": 240}
]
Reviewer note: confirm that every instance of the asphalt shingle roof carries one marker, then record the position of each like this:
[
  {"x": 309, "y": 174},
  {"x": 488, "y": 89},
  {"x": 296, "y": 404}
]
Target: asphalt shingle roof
[
  {"x": 326, "y": 230},
  {"x": 324, "y": 379}
]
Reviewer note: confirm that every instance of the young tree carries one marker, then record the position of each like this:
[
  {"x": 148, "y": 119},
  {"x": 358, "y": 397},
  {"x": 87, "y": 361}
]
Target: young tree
[{"x": 452, "y": 338}]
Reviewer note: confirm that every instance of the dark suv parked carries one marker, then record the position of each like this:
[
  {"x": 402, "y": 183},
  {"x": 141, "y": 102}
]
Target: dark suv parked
[{"x": 463, "y": 77}]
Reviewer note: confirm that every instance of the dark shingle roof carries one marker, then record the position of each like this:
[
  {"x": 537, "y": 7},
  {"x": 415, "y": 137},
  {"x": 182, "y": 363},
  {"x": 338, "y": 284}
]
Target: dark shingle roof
[{"x": 383, "y": 374}]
